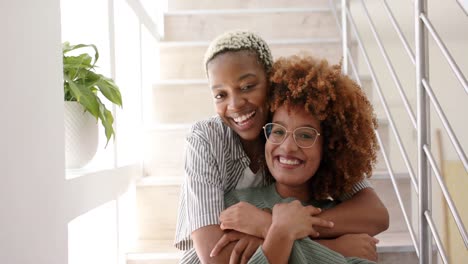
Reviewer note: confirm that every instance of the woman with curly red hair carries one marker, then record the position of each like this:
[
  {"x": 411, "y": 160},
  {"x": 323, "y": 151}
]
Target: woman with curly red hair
[
  {"x": 346, "y": 119},
  {"x": 320, "y": 143}
]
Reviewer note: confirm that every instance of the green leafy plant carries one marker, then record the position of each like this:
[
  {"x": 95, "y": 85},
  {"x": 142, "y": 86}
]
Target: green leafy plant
[{"x": 81, "y": 83}]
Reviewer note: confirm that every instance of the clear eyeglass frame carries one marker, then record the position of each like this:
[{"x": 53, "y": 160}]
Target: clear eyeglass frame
[{"x": 270, "y": 126}]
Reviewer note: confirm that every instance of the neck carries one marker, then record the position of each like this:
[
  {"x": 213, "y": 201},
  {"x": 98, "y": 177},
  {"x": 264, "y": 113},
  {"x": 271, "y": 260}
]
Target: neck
[
  {"x": 255, "y": 151},
  {"x": 302, "y": 192}
]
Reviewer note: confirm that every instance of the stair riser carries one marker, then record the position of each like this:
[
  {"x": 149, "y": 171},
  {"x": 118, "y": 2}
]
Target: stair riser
[
  {"x": 210, "y": 4},
  {"x": 384, "y": 131},
  {"x": 182, "y": 103},
  {"x": 154, "y": 261},
  {"x": 398, "y": 257},
  {"x": 386, "y": 193},
  {"x": 186, "y": 62},
  {"x": 157, "y": 211},
  {"x": 164, "y": 153},
  {"x": 271, "y": 25},
  {"x": 197, "y": 104},
  {"x": 157, "y": 208},
  {"x": 384, "y": 258}
]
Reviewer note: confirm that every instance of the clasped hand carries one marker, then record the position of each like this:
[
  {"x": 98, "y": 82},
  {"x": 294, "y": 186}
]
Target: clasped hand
[
  {"x": 298, "y": 220},
  {"x": 250, "y": 220}
]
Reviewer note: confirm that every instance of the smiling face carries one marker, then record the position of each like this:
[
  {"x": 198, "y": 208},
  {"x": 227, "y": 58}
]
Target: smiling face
[
  {"x": 239, "y": 86},
  {"x": 292, "y": 166}
]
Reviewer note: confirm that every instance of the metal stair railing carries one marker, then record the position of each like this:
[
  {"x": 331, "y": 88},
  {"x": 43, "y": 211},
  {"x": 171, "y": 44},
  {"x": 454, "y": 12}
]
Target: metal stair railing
[
  {"x": 421, "y": 183},
  {"x": 346, "y": 13}
]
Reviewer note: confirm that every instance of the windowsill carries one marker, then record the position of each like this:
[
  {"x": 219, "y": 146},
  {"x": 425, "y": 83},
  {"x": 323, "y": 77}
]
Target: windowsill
[
  {"x": 75, "y": 173},
  {"x": 71, "y": 174}
]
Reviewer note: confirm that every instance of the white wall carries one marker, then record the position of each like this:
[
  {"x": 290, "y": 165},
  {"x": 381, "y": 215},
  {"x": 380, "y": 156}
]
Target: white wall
[{"x": 32, "y": 221}]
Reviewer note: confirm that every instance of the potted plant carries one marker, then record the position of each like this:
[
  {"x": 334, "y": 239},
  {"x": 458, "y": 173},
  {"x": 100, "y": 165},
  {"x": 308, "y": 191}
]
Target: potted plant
[{"x": 83, "y": 106}]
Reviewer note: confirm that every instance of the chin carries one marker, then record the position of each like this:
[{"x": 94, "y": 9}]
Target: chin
[{"x": 249, "y": 135}]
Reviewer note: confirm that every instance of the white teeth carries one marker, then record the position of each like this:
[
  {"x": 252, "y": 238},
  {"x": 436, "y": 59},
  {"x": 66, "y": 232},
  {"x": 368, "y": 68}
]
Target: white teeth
[
  {"x": 242, "y": 118},
  {"x": 289, "y": 161}
]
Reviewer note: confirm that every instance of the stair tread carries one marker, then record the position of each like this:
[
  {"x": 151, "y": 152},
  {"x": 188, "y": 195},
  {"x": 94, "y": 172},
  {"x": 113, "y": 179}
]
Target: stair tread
[
  {"x": 389, "y": 242},
  {"x": 246, "y": 11},
  {"x": 159, "y": 181},
  {"x": 153, "y": 180},
  {"x": 394, "y": 242},
  {"x": 282, "y": 41},
  {"x": 153, "y": 246},
  {"x": 251, "y": 4}
]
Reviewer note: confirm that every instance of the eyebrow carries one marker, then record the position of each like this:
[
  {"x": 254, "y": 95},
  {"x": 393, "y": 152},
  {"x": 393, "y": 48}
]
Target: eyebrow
[
  {"x": 241, "y": 78},
  {"x": 281, "y": 123}
]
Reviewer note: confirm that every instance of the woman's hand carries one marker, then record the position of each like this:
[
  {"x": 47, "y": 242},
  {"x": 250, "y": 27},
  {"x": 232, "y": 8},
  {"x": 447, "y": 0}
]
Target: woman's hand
[
  {"x": 290, "y": 221},
  {"x": 246, "y": 218},
  {"x": 243, "y": 250},
  {"x": 354, "y": 245},
  {"x": 298, "y": 220}
]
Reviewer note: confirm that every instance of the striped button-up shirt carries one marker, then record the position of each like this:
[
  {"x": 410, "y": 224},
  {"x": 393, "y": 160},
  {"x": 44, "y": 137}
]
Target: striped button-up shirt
[{"x": 214, "y": 163}]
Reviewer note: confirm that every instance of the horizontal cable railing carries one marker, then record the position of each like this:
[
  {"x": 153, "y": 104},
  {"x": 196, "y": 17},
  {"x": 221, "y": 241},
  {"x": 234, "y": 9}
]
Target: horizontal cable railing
[
  {"x": 398, "y": 194},
  {"x": 383, "y": 101},
  {"x": 392, "y": 125},
  {"x": 398, "y": 30},
  {"x": 436, "y": 236},
  {"x": 461, "y": 78},
  {"x": 384, "y": 154},
  {"x": 390, "y": 66},
  {"x": 421, "y": 123},
  {"x": 348, "y": 51},
  {"x": 447, "y": 196},
  {"x": 145, "y": 18},
  {"x": 446, "y": 124}
]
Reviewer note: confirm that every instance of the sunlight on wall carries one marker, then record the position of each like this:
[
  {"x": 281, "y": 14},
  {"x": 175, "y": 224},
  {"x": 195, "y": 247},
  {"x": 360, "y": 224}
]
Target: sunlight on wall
[
  {"x": 104, "y": 234},
  {"x": 127, "y": 227},
  {"x": 92, "y": 237},
  {"x": 151, "y": 72},
  {"x": 128, "y": 75}
]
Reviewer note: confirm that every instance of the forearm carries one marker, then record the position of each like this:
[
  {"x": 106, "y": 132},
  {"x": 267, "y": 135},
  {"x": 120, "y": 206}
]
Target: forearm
[
  {"x": 205, "y": 239},
  {"x": 363, "y": 213},
  {"x": 278, "y": 245}
]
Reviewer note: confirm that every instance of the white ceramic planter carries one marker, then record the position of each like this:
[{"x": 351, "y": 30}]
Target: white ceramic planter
[{"x": 81, "y": 136}]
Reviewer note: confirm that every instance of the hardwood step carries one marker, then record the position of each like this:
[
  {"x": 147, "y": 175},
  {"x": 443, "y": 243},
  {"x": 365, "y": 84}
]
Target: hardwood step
[
  {"x": 392, "y": 248},
  {"x": 165, "y": 145},
  {"x": 158, "y": 198},
  {"x": 210, "y": 4},
  {"x": 184, "y": 60},
  {"x": 164, "y": 150},
  {"x": 269, "y": 23},
  {"x": 157, "y": 211},
  {"x": 169, "y": 107}
]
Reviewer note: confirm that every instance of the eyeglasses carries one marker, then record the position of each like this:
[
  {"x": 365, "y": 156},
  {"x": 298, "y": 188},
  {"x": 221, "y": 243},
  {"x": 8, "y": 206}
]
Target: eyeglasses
[{"x": 304, "y": 137}]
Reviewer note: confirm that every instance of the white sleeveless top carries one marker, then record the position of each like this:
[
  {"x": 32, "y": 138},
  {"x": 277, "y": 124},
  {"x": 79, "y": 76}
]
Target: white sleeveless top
[{"x": 250, "y": 179}]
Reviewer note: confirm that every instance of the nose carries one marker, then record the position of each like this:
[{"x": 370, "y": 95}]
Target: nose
[
  {"x": 289, "y": 144},
  {"x": 236, "y": 102}
]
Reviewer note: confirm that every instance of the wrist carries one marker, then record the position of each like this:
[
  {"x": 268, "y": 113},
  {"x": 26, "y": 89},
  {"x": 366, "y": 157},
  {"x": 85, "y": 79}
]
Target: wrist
[
  {"x": 329, "y": 243},
  {"x": 266, "y": 227},
  {"x": 281, "y": 232}
]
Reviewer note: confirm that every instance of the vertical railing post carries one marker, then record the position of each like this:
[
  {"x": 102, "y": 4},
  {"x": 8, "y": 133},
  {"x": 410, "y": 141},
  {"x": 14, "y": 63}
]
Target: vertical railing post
[
  {"x": 345, "y": 32},
  {"x": 425, "y": 241}
]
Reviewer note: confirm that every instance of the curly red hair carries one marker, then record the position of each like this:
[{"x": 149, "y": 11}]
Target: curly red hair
[{"x": 346, "y": 117}]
